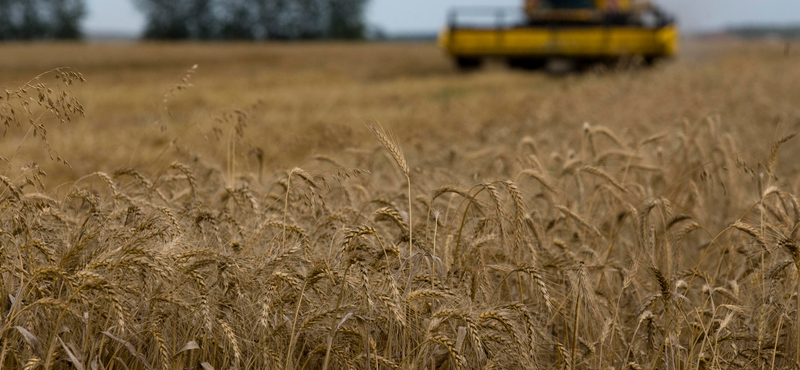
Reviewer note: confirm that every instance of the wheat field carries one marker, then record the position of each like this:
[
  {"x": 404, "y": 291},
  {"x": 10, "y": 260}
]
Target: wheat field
[{"x": 366, "y": 206}]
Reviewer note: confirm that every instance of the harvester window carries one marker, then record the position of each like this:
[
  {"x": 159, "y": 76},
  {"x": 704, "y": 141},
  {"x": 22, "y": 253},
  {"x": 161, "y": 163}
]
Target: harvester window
[
  {"x": 566, "y": 4},
  {"x": 650, "y": 19}
]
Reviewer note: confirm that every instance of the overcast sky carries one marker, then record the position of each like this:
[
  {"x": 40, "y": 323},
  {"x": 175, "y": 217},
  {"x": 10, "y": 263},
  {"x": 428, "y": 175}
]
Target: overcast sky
[{"x": 396, "y": 16}]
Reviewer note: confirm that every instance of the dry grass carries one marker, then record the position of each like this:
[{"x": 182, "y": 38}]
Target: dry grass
[{"x": 662, "y": 234}]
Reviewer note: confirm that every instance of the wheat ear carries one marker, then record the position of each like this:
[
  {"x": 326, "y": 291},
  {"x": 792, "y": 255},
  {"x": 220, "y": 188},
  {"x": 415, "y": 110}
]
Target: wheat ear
[{"x": 389, "y": 142}]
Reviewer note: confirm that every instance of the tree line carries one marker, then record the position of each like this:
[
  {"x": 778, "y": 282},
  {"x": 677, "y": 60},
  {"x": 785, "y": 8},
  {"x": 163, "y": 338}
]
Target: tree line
[
  {"x": 40, "y": 19},
  {"x": 195, "y": 19}
]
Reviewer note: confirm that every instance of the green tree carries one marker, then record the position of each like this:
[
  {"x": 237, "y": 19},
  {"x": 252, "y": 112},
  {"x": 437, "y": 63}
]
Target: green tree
[
  {"x": 66, "y": 17},
  {"x": 41, "y": 19},
  {"x": 167, "y": 19},
  {"x": 253, "y": 19},
  {"x": 347, "y": 19},
  {"x": 203, "y": 22},
  {"x": 237, "y": 21}
]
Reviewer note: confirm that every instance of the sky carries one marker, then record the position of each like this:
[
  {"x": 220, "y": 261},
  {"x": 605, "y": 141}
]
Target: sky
[{"x": 410, "y": 16}]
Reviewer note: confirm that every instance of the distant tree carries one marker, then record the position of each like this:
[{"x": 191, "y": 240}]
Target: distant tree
[
  {"x": 41, "y": 19},
  {"x": 31, "y": 25},
  {"x": 347, "y": 19},
  {"x": 291, "y": 19},
  {"x": 168, "y": 19},
  {"x": 237, "y": 21},
  {"x": 270, "y": 18},
  {"x": 253, "y": 19},
  {"x": 66, "y": 18},
  {"x": 6, "y": 27},
  {"x": 314, "y": 22},
  {"x": 203, "y": 20}
]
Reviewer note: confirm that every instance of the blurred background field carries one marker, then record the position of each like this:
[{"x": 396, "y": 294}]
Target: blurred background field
[{"x": 306, "y": 99}]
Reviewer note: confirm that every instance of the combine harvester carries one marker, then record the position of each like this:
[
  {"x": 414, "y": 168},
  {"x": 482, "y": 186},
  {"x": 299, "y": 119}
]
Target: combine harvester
[{"x": 581, "y": 32}]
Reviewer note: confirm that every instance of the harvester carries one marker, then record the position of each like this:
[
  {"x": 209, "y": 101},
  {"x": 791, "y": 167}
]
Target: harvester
[{"x": 581, "y": 32}]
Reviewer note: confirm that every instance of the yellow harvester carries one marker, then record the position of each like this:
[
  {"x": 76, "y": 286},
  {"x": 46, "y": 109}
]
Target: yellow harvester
[{"x": 582, "y": 31}]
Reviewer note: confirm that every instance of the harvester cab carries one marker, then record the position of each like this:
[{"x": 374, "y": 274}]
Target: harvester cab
[{"x": 582, "y": 31}]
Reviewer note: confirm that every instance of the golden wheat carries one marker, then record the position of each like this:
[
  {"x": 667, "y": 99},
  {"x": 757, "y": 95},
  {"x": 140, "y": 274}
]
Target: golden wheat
[{"x": 629, "y": 249}]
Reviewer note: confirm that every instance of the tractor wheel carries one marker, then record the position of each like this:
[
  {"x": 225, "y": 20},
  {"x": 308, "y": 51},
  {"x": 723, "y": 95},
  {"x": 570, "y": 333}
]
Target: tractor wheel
[
  {"x": 650, "y": 60},
  {"x": 530, "y": 64},
  {"x": 468, "y": 63}
]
